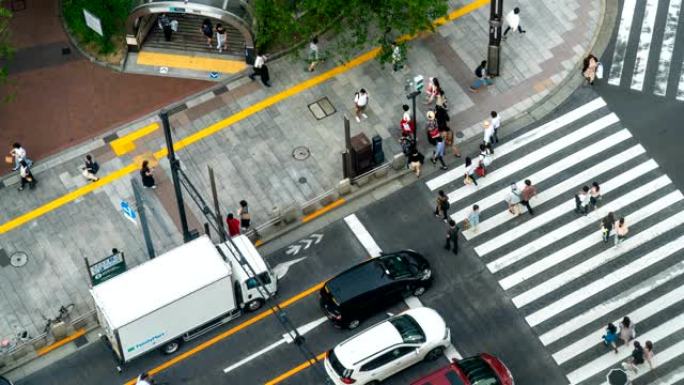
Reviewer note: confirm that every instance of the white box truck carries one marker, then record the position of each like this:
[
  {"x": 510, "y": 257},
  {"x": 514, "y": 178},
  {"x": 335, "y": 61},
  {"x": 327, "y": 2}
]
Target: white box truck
[{"x": 180, "y": 295}]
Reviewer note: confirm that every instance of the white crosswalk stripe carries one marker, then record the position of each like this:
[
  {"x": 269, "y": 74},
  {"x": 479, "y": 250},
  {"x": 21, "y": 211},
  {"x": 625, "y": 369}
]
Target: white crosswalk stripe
[
  {"x": 567, "y": 283},
  {"x": 640, "y": 20}
]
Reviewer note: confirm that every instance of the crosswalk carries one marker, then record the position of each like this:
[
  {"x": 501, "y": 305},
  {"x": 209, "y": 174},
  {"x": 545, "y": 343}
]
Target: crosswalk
[
  {"x": 566, "y": 282},
  {"x": 646, "y": 56}
]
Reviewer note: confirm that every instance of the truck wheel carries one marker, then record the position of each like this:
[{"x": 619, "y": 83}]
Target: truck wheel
[
  {"x": 171, "y": 347},
  {"x": 255, "y": 304}
]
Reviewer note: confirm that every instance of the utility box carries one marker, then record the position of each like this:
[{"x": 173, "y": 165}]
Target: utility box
[
  {"x": 361, "y": 153},
  {"x": 378, "y": 154}
]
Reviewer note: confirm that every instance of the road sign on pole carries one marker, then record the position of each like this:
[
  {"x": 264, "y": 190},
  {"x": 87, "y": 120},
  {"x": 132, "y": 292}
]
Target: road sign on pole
[{"x": 128, "y": 212}]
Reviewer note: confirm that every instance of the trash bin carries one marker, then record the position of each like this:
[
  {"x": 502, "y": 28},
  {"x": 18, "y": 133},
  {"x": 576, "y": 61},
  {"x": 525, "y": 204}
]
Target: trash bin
[
  {"x": 378, "y": 154},
  {"x": 362, "y": 154}
]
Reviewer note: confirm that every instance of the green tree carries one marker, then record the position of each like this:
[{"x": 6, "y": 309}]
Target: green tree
[
  {"x": 6, "y": 50},
  {"x": 355, "y": 23}
]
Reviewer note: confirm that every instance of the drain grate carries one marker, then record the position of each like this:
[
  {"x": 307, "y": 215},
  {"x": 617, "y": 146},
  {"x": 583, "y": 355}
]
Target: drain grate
[
  {"x": 322, "y": 108},
  {"x": 301, "y": 153}
]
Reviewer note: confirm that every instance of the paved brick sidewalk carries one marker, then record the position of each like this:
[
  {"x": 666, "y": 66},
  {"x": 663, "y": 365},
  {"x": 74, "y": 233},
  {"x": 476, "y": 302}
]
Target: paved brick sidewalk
[{"x": 253, "y": 158}]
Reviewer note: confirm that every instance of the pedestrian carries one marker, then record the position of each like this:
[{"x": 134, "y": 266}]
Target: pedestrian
[
  {"x": 432, "y": 90},
  {"x": 627, "y": 330},
  {"x": 648, "y": 354},
  {"x": 528, "y": 192},
  {"x": 207, "y": 30},
  {"x": 448, "y": 137},
  {"x": 397, "y": 57},
  {"x": 513, "y": 21},
  {"x": 482, "y": 79},
  {"x": 431, "y": 128},
  {"x": 26, "y": 176},
  {"x": 146, "y": 175},
  {"x": 90, "y": 168},
  {"x": 144, "y": 379},
  {"x": 442, "y": 206},
  {"x": 313, "y": 54},
  {"x": 473, "y": 219},
  {"x": 233, "y": 225},
  {"x": 442, "y": 111},
  {"x": 485, "y": 158},
  {"x": 607, "y": 226},
  {"x": 360, "y": 103},
  {"x": 594, "y": 195},
  {"x": 415, "y": 160},
  {"x": 513, "y": 199},
  {"x": 636, "y": 358},
  {"x": 245, "y": 217},
  {"x": 18, "y": 153},
  {"x": 582, "y": 200},
  {"x": 221, "y": 38},
  {"x": 589, "y": 66},
  {"x": 261, "y": 69},
  {"x": 438, "y": 153},
  {"x": 406, "y": 124},
  {"x": 495, "y": 121},
  {"x": 611, "y": 337},
  {"x": 164, "y": 24},
  {"x": 487, "y": 134},
  {"x": 452, "y": 236},
  {"x": 621, "y": 230},
  {"x": 470, "y": 167}
]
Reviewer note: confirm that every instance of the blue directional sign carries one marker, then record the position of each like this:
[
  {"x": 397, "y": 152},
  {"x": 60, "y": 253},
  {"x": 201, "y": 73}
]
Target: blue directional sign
[
  {"x": 213, "y": 75},
  {"x": 128, "y": 211}
]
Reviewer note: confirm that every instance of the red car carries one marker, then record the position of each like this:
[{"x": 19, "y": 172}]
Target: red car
[{"x": 483, "y": 369}]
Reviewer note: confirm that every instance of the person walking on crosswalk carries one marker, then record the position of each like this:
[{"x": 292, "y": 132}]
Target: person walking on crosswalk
[
  {"x": 607, "y": 226},
  {"x": 648, "y": 353},
  {"x": 513, "y": 199},
  {"x": 488, "y": 135},
  {"x": 469, "y": 176},
  {"x": 527, "y": 193},
  {"x": 621, "y": 230},
  {"x": 611, "y": 337},
  {"x": 438, "y": 153},
  {"x": 495, "y": 121},
  {"x": 627, "y": 330},
  {"x": 594, "y": 195},
  {"x": 442, "y": 206},
  {"x": 452, "y": 236},
  {"x": 485, "y": 158},
  {"x": 636, "y": 358},
  {"x": 582, "y": 200},
  {"x": 473, "y": 219}
]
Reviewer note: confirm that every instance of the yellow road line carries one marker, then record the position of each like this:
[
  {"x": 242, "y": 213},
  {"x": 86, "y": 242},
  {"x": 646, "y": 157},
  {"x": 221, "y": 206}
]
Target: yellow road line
[
  {"x": 47, "y": 349},
  {"x": 192, "y": 62},
  {"x": 295, "y": 370},
  {"x": 324, "y": 210},
  {"x": 124, "y": 144}
]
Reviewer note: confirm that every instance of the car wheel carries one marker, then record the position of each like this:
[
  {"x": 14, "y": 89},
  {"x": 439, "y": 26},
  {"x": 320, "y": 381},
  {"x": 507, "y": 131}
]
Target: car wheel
[
  {"x": 420, "y": 290},
  {"x": 434, "y": 353},
  {"x": 255, "y": 304},
  {"x": 354, "y": 324},
  {"x": 171, "y": 347}
]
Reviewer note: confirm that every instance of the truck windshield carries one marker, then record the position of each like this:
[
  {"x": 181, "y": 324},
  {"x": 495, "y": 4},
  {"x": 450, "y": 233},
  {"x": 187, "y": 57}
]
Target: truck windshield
[{"x": 252, "y": 282}]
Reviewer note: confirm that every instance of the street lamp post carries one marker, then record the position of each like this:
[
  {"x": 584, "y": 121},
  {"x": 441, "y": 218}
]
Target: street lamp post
[
  {"x": 494, "y": 49},
  {"x": 175, "y": 165}
]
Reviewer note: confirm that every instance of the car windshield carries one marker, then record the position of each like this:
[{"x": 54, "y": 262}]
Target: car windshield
[
  {"x": 478, "y": 371},
  {"x": 408, "y": 328},
  {"x": 398, "y": 266}
]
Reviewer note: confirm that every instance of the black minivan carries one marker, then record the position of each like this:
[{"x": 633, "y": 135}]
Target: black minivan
[{"x": 359, "y": 292}]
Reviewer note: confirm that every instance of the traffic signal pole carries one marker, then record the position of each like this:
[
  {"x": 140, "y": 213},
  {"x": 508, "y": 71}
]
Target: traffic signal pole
[{"x": 495, "y": 27}]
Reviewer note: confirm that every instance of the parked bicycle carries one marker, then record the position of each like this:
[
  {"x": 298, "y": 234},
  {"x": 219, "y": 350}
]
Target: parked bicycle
[
  {"x": 8, "y": 345},
  {"x": 63, "y": 314}
]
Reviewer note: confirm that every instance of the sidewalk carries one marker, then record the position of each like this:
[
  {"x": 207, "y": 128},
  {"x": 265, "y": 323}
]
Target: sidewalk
[{"x": 253, "y": 158}]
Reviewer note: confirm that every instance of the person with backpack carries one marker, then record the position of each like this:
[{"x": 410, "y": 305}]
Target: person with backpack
[
  {"x": 431, "y": 128},
  {"x": 442, "y": 206},
  {"x": 482, "y": 79},
  {"x": 90, "y": 168}
]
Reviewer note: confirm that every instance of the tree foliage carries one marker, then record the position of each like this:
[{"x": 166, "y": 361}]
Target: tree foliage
[
  {"x": 355, "y": 23},
  {"x": 6, "y": 50},
  {"x": 112, "y": 14}
]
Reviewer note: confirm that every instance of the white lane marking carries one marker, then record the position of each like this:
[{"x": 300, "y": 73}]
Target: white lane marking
[
  {"x": 669, "y": 36},
  {"x": 524, "y": 139},
  {"x": 620, "y": 51},
  {"x": 597, "y": 286},
  {"x": 612, "y": 304},
  {"x": 579, "y": 246},
  {"x": 583, "y": 344},
  {"x": 287, "y": 338},
  {"x": 546, "y": 173},
  {"x": 561, "y": 188},
  {"x": 569, "y": 205},
  {"x": 610, "y": 358},
  {"x": 535, "y": 156},
  {"x": 674, "y": 376},
  {"x": 363, "y": 236},
  {"x": 644, "y": 45}
]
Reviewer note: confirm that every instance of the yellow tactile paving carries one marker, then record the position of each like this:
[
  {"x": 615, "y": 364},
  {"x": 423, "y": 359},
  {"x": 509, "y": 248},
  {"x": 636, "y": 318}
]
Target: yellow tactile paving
[
  {"x": 124, "y": 144},
  {"x": 200, "y": 63}
]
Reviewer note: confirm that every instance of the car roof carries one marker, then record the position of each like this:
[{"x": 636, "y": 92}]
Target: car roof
[
  {"x": 367, "y": 343},
  {"x": 452, "y": 373},
  {"x": 357, "y": 280}
]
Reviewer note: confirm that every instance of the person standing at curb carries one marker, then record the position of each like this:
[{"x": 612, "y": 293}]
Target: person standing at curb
[
  {"x": 415, "y": 160},
  {"x": 233, "y": 225},
  {"x": 207, "y": 30},
  {"x": 482, "y": 79},
  {"x": 473, "y": 219},
  {"x": 26, "y": 176},
  {"x": 607, "y": 226},
  {"x": 528, "y": 192},
  {"x": 221, "y": 38},
  {"x": 261, "y": 69},
  {"x": 397, "y": 57},
  {"x": 442, "y": 206},
  {"x": 621, "y": 230},
  {"x": 594, "y": 195},
  {"x": 513, "y": 199},
  {"x": 627, "y": 330},
  {"x": 146, "y": 175},
  {"x": 513, "y": 21},
  {"x": 90, "y": 168},
  {"x": 469, "y": 176},
  {"x": 313, "y": 54},
  {"x": 438, "y": 153},
  {"x": 495, "y": 121},
  {"x": 19, "y": 153},
  {"x": 452, "y": 236},
  {"x": 582, "y": 200},
  {"x": 245, "y": 217},
  {"x": 360, "y": 103},
  {"x": 611, "y": 337}
]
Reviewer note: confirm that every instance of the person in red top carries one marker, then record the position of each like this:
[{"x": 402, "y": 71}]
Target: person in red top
[
  {"x": 406, "y": 124},
  {"x": 233, "y": 225},
  {"x": 527, "y": 193}
]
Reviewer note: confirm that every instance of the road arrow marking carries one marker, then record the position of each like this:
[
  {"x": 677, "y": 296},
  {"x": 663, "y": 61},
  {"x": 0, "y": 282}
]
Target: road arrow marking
[
  {"x": 287, "y": 338},
  {"x": 281, "y": 269},
  {"x": 318, "y": 237},
  {"x": 308, "y": 243},
  {"x": 293, "y": 249}
]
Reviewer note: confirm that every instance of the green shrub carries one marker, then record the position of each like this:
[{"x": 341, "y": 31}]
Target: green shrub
[{"x": 112, "y": 14}]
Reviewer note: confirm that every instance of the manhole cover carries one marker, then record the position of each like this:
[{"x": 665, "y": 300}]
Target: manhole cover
[
  {"x": 19, "y": 259},
  {"x": 302, "y": 180},
  {"x": 322, "y": 108},
  {"x": 301, "y": 153},
  {"x": 459, "y": 134}
]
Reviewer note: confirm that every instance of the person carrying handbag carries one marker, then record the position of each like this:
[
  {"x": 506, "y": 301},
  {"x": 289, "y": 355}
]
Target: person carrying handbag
[{"x": 26, "y": 176}]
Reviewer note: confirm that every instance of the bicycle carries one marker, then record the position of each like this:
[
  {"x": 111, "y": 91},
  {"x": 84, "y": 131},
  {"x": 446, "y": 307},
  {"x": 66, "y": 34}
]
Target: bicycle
[
  {"x": 9, "y": 345},
  {"x": 63, "y": 314}
]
